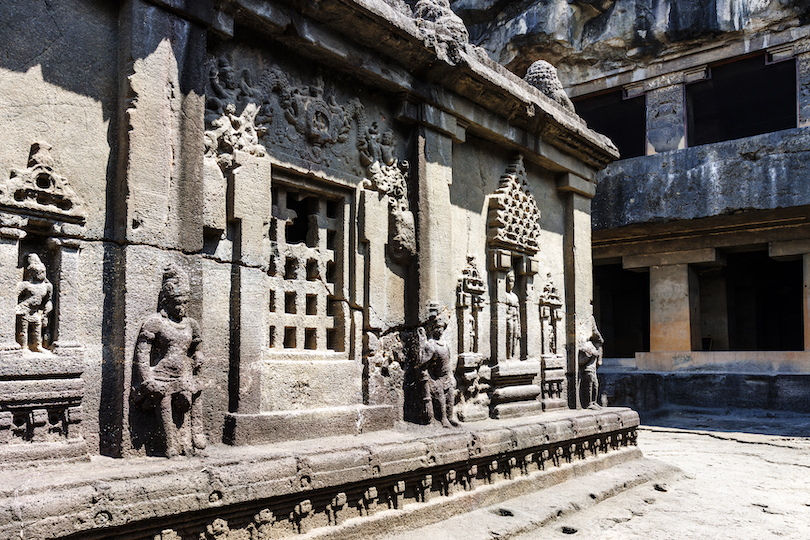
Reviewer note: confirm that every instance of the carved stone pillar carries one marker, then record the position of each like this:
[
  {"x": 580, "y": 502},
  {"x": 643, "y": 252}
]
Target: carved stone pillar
[
  {"x": 674, "y": 312},
  {"x": 67, "y": 298},
  {"x": 578, "y": 273},
  {"x": 9, "y": 277},
  {"x": 513, "y": 226},
  {"x": 666, "y": 129}
]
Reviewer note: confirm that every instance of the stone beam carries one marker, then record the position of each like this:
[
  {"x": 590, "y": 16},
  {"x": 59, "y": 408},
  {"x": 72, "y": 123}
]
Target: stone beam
[{"x": 693, "y": 256}]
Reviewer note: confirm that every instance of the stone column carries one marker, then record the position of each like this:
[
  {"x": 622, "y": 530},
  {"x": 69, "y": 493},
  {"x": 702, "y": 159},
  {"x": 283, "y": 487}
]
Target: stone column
[
  {"x": 806, "y": 299},
  {"x": 435, "y": 254},
  {"x": 674, "y": 309},
  {"x": 10, "y": 276},
  {"x": 666, "y": 129},
  {"x": 67, "y": 300},
  {"x": 803, "y": 68},
  {"x": 578, "y": 272},
  {"x": 252, "y": 209},
  {"x": 163, "y": 56}
]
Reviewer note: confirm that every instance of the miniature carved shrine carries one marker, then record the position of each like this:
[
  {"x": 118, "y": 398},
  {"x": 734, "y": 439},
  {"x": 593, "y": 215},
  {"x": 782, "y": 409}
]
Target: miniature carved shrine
[{"x": 327, "y": 257}]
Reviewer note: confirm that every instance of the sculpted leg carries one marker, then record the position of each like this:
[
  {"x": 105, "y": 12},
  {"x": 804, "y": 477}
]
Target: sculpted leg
[
  {"x": 36, "y": 326},
  {"x": 172, "y": 446},
  {"x": 197, "y": 430}
]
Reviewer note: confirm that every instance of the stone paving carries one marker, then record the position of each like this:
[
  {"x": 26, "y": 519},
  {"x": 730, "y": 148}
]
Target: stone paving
[{"x": 744, "y": 475}]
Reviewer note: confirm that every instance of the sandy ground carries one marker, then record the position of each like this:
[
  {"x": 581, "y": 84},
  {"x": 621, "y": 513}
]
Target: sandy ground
[{"x": 745, "y": 476}]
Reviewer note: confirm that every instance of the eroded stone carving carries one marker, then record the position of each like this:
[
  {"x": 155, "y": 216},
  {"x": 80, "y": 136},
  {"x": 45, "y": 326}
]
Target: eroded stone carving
[
  {"x": 386, "y": 360},
  {"x": 387, "y": 175},
  {"x": 436, "y": 381},
  {"x": 168, "y": 359},
  {"x": 469, "y": 303},
  {"x": 514, "y": 218},
  {"x": 38, "y": 190},
  {"x": 590, "y": 358},
  {"x": 550, "y": 315},
  {"x": 229, "y": 131},
  {"x": 34, "y": 304},
  {"x": 543, "y": 76},
  {"x": 513, "y": 332},
  {"x": 441, "y": 28}
]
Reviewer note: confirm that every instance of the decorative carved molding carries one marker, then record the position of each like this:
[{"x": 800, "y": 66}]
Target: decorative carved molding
[
  {"x": 39, "y": 191},
  {"x": 514, "y": 218}
]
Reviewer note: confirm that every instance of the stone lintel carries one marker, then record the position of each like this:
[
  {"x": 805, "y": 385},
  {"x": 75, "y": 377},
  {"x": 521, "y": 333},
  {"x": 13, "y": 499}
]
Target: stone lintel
[
  {"x": 570, "y": 182},
  {"x": 200, "y": 11},
  {"x": 790, "y": 249},
  {"x": 694, "y": 256},
  {"x": 433, "y": 118}
]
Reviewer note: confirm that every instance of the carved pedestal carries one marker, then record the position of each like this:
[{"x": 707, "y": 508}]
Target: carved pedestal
[
  {"x": 41, "y": 404},
  {"x": 514, "y": 390}
]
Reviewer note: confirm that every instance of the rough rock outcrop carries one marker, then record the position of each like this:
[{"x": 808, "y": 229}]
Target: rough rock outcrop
[{"x": 588, "y": 36}]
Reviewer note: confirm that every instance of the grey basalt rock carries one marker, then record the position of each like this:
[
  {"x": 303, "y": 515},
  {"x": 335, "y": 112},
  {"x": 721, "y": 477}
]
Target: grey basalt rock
[{"x": 577, "y": 36}]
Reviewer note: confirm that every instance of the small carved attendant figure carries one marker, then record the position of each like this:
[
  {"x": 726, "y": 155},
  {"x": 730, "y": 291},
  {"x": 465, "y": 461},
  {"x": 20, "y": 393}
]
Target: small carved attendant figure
[
  {"x": 512, "y": 318},
  {"x": 437, "y": 383},
  {"x": 34, "y": 305},
  {"x": 590, "y": 358},
  {"x": 168, "y": 359}
]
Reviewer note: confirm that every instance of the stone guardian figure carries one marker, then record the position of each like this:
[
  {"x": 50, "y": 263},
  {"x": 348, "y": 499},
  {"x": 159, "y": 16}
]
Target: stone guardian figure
[
  {"x": 437, "y": 383},
  {"x": 34, "y": 304},
  {"x": 590, "y": 358},
  {"x": 512, "y": 318},
  {"x": 168, "y": 359}
]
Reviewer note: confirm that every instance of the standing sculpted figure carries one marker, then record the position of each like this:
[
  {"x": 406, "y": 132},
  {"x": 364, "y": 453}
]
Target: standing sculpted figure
[
  {"x": 34, "y": 304},
  {"x": 436, "y": 380},
  {"x": 168, "y": 359},
  {"x": 512, "y": 318},
  {"x": 590, "y": 358}
]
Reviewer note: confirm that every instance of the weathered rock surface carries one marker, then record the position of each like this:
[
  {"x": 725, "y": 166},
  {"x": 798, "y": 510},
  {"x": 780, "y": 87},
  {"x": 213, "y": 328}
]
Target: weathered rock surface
[
  {"x": 582, "y": 38},
  {"x": 757, "y": 173}
]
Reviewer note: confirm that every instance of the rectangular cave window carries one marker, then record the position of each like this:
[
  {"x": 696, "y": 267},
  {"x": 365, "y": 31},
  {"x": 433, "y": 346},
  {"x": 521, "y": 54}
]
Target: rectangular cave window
[
  {"x": 741, "y": 98},
  {"x": 311, "y": 275},
  {"x": 620, "y": 118}
]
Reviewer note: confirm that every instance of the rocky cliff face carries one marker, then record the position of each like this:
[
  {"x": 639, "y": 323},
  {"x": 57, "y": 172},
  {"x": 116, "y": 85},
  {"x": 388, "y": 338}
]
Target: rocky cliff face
[{"x": 584, "y": 38}]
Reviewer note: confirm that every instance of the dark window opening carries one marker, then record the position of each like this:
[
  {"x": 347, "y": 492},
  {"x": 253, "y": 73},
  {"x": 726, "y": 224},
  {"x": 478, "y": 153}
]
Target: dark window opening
[
  {"x": 299, "y": 227},
  {"x": 740, "y": 99},
  {"x": 764, "y": 303},
  {"x": 622, "y": 310},
  {"x": 623, "y": 120}
]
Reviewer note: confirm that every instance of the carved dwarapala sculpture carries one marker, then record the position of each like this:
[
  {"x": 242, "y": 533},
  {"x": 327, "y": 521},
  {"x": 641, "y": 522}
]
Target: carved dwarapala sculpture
[
  {"x": 512, "y": 317},
  {"x": 34, "y": 295},
  {"x": 590, "y": 358},
  {"x": 168, "y": 359},
  {"x": 436, "y": 381}
]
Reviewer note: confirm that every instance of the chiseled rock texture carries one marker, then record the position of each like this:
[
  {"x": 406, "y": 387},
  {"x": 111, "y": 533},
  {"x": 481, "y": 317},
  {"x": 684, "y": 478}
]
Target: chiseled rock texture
[
  {"x": 764, "y": 172},
  {"x": 582, "y": 38}
]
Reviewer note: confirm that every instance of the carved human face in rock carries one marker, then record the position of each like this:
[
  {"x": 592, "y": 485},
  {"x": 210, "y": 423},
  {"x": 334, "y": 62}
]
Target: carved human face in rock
[
  {"x": 226, "y": 76},
  {"x": 510, "y": 281},
  {"x": 176, "y": 306}
]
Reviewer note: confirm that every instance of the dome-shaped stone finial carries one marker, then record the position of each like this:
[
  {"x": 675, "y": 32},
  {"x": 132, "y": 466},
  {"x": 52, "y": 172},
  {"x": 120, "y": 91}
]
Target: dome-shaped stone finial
[{"x": 543, "y": 76}]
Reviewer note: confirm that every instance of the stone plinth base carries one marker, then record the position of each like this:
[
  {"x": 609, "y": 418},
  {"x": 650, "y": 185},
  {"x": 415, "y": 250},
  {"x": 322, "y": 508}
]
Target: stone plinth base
[
  {"x": 514, "y": 390},
  {"x": 41, "y": 404},
  {"x": 307, "y": 424},
  {"x": 339, "y": 487}
]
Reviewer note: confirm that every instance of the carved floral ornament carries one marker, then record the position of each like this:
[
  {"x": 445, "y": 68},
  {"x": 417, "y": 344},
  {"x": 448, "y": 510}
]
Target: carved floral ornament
[
  {"x": 240, "y": 116},
  {"x": 514, "y": 218}
]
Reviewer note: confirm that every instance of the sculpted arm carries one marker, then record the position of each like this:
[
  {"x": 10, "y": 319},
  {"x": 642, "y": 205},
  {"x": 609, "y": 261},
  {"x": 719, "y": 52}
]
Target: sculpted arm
[{"x": 143, "y": 352}]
